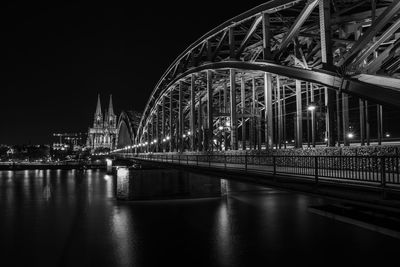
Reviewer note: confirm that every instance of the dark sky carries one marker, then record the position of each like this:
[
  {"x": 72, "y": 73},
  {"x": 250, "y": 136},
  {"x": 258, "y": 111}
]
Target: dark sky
[{"x": 56, "y": 58}]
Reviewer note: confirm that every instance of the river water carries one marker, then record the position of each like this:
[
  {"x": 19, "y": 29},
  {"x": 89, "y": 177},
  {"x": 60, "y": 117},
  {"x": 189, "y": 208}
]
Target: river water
[{"x": 71, "y": 218}]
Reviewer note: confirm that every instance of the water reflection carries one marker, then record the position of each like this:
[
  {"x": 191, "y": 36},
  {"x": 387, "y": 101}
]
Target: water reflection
[{"x": 71, "y": 218}]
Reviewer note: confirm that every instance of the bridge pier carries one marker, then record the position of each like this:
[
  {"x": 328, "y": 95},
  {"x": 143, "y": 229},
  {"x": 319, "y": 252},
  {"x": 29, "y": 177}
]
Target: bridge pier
[{"x": 149, "y": 184}]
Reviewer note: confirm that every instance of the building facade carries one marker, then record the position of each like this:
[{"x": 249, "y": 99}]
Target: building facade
[{"x": 103, "y": 134}]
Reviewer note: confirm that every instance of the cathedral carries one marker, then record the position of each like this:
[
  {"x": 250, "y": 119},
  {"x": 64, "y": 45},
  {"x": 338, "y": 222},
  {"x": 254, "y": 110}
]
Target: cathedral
[{"x": 102, "y": 136}]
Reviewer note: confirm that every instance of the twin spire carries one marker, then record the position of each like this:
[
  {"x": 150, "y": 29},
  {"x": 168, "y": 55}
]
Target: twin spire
[{"x": 98, "y": 107}]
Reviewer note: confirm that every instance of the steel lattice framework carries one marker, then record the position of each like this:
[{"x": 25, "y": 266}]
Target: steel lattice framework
[{"x": 282, "y": 70}]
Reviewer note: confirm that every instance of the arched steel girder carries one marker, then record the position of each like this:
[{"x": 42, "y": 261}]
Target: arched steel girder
[
  {"x": 302, "y": 37},
  {"x": 386, "y": 96},
  {"x": 124, "y": 119}
]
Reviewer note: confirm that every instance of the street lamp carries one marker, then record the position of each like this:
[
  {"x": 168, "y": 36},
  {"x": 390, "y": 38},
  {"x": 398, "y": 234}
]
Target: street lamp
[{"x": 311, "y": 107}]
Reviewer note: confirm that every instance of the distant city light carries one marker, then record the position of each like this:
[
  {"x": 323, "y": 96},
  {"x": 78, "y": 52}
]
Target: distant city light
[
  {"x": 164, "y": 140},
  {"x": 387, "y": 134},
  {"x": 184, "y": 135},
  {"x": 189, "y": 133},
  {"x": 350, "y": 135},
  {"x": 155, "y": 141}
]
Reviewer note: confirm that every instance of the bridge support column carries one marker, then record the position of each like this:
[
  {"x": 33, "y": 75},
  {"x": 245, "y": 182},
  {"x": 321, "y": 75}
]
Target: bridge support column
[
  {"x": 338, "y": 118},
  {"x": 192, "y": 114},
  {"x": 362, "y": 121},
  {"x": 163, "y": 124},
  {"x": 269, "y": 130},
  {"x": 171, "y": 134},
  {"x": 379, "y": 122},
  {"x": 327, "y": 61},
  {"x": 225, "y": 111},
  {"x": 243, "y": 107},
  {"x": 252, "y": 142},
  {"x": 312, "y": 99},
  {"x": 345, "y": 118},
  {"x": 157, "y": 129},
  {"x": 279, "y": 113},
  {"x": 299, "y": 116},
  {"x": 180, "y": 120},
  {"x": 233, "y": 120},
  {"x": 200, "y": 124},
  {"x": 367, "y": 125},
  {"x": 210, "y": 120},
  {"x": 284, "y": 115}
]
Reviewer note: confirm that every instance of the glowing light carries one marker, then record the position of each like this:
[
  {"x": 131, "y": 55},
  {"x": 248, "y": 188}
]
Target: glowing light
[
  {"x": 227, "y": 124},
  {"x": 350, "y": 135},
  {"x": 311, "y": 107},
  {"x": 189, "y": 133},
  {"x": 221, "y": 128},
  {"x": 184, "y": 135},
  {"x": 155, "y": 141},
  {"x": 326, "y": 139},
  {"x": 164, "y": 140},
  {"x": 168, "y": 137},
  {"x": 387, "y": 134}
]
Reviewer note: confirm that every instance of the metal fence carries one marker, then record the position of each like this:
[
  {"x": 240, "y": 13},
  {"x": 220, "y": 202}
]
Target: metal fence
[{"x": 372, "y": 170}]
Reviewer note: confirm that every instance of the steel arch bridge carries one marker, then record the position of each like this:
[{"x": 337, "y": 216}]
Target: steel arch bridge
[{"x": 286, "y": 69}]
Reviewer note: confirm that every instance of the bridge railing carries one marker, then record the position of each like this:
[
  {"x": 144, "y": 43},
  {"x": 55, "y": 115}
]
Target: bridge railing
[{"x": 373, "y": 170}]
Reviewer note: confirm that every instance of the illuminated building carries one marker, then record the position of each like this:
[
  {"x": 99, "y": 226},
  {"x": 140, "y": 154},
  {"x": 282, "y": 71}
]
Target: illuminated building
[{"x": 104, "y": 131}]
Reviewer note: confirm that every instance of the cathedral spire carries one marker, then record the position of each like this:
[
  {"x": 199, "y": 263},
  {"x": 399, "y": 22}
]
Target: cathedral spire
[
  {"x": 110, "y": 107},
  {"x": 98, "y": 108}
]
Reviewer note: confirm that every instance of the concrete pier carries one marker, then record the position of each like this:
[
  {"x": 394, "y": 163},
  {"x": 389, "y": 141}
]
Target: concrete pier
[{"x": 135, "y": 184}]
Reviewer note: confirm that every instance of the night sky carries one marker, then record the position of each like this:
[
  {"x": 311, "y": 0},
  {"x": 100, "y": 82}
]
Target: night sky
[{"x": 56, "y": 58}]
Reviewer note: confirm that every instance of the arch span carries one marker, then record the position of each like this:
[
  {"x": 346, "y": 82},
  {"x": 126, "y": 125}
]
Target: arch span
[
  {"x": 264, "y": 70},
  {"x": 126, "y": 129}
]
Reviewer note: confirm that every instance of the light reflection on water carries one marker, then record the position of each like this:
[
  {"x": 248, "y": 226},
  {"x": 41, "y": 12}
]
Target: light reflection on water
[{"x": 72, "y": 217}]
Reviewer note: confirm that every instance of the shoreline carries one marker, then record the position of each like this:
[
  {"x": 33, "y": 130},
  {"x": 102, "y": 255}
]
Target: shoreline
[{"x": 48, "y": 166}]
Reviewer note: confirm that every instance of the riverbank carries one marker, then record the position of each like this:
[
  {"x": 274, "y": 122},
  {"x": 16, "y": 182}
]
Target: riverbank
[{"x": 13, "y": 166}]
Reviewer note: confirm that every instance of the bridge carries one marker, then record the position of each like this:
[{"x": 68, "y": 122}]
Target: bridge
[{"x": 283, "y": 88}]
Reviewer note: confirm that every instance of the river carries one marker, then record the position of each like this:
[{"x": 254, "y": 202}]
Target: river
[{"x": 72, "y": 218}]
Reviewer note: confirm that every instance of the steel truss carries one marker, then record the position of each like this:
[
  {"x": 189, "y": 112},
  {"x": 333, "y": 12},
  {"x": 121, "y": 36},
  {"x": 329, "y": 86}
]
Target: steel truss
[{"x": 282, "y": 71}]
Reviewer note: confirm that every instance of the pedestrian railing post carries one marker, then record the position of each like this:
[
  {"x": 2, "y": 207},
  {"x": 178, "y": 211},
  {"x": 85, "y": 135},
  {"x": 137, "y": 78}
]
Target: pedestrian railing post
[{"x": 383, "y": 176}]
